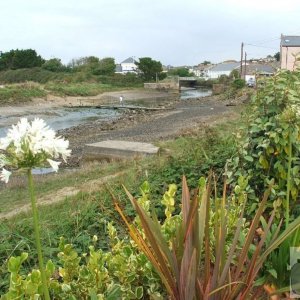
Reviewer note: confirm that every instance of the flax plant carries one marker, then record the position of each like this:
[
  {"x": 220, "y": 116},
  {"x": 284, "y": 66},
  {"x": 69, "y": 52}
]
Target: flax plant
[
  {"x": 29, "y": 145},
  {"x": 186, "y": 266}
]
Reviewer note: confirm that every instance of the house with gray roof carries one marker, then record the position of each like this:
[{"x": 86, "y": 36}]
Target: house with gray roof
[
  {"x": 129, "y": 65},
  {"x": 289, "y": 48},
  {"x": 258, "y": 69},
  {"x": 224, "y": 68}
]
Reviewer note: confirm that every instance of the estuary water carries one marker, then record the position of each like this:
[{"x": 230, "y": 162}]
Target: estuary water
[
  {"x": 61, "y": 118},
  {"x": 195, "y": 93}
]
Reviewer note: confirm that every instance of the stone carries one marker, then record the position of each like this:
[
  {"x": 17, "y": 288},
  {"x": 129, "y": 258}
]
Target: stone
[{"x": 114, "y": 149}]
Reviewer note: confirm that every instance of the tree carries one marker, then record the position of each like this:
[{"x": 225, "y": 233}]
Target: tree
[
  {"x": 19, "y": 59},
  {"x": 150, "y": 69},
  {"x": 234, "y": 74},
  {"x": 105, "y": 66},
  {"x": 181, "y": 72},
  {"x": 277, "y": 56},
  {"x": 83, "y": 63},
  {"x": 53, "y": 65},
  {"x": 206, "y": 62}
]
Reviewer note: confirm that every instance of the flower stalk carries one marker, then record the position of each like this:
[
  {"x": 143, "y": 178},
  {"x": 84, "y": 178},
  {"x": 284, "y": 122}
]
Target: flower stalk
[
  {"x": 288, "y": 187},
  {"x": 37, "y": 234},
  {"x": 29, "y": 145}
]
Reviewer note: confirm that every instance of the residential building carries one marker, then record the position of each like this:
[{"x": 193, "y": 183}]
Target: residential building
[
  {"x": 258, "y": 69},
  {"x": 224, "y": 68},
  {"x": 129, "y": 65},
  {"x": 118, "y": 69},
  {"x": 289, "y": 48}
]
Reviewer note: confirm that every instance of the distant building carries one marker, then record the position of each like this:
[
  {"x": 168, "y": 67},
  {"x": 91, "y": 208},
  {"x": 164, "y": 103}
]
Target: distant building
[
  {"x": 258, "y": 69},
  {"x": 129, "y": 65},
  {"x": 118, "y": 69},
  {"x": 224, "y": 68},
  {"x": 289, "y": 47}
]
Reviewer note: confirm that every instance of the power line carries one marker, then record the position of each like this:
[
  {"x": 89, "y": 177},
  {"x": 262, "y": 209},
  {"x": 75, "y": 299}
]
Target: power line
[{"x": 260, "y": 46}]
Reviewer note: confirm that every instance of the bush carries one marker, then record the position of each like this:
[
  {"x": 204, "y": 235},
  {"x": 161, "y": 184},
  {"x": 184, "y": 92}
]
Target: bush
[{"x": 238, "y": 83}]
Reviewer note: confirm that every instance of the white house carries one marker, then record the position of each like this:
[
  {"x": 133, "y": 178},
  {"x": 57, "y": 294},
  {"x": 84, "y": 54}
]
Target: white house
[
  {"x": 224, "y": 68},
  {"x": 129, "y": 66}
]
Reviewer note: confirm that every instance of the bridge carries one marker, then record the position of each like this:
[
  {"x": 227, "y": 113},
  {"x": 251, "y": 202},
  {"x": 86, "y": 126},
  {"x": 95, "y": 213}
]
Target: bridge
[
  {"x": 187, "y": 81},
  {"x": 172, "y": 83}
]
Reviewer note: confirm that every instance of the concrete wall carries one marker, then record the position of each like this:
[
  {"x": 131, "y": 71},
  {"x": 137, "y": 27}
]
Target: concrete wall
[{"x": 287, "y": 59}]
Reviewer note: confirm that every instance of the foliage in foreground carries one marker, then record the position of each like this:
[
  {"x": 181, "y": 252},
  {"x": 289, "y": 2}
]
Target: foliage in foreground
[
  {"x": 185, "y": 264},
  {"x": 269, "y": 146}
]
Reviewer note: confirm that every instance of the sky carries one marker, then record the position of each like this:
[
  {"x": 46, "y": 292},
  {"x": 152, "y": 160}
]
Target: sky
[{"x": 176, "y": 33}]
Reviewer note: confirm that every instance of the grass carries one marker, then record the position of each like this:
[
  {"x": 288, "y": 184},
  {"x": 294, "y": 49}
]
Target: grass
[
  {"x": 15, "y": 194},
  {"x": 25, "y": 92},
  {"x": 79, "y": 89},
  {"x": 79, "y": 217},
  {"x": 25, "y": 84},
  {"x": 20, "y": 93}
]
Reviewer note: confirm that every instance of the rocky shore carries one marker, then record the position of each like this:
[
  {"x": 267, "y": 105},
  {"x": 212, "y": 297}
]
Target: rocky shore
[{"x": 147, "y": 126}]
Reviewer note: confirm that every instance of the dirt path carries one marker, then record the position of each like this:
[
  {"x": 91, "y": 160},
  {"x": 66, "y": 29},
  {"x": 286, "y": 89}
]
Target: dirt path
[{"x": 62, "y": 194}]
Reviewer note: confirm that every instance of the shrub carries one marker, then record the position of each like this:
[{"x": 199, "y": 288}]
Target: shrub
[
  {"x": 238, "y": 83},
  {"x": 185, "y": 263},
  {"x": 269, "y": 146}
]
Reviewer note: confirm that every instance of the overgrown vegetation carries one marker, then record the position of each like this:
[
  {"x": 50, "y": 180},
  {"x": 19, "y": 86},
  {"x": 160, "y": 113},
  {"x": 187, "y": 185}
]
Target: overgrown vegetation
[{"x": 21, "y": 93}]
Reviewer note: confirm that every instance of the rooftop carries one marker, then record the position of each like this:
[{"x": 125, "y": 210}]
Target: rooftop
[
  {"x": 225, "y": 66},
  {"x": 129, "y": 60},
  {"x": 290, "y": 40}
]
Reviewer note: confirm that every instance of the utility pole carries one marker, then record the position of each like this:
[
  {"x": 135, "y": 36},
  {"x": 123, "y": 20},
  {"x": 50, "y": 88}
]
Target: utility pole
[
  {"x": 245, "y": 66},
  {"x": 242, "y": 52}
]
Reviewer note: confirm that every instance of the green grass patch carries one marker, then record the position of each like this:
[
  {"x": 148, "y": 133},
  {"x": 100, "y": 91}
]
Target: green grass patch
[
  {"x": 20, "y": 93},
  {"x": 78, "y": 89},
  {"x": 16, "y": 193}
]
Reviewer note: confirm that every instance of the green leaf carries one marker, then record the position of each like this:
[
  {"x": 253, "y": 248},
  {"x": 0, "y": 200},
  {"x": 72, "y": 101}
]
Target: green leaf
[
  {"x": 113, "y": 292},
  {"x": 273, "y": 273},
  {"x": 139, "y": 292},
  {"x": 249, "y": 158}
]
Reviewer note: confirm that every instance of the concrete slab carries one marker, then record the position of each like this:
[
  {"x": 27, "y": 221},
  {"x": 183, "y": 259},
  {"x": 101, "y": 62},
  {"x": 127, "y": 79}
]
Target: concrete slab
[{"x": 113, "y": 149}]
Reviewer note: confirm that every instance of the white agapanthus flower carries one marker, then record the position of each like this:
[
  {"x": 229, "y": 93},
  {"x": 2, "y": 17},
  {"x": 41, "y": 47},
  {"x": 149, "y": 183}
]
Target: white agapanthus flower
[
  {"x": 31, "y": 145},
  {"x": 4, "y": 175}
]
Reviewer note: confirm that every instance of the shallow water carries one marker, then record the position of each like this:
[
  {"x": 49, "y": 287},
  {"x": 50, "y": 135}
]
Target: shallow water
[
  {"x": 195, "y": 93},
  {"x": 61, "y": 118}
]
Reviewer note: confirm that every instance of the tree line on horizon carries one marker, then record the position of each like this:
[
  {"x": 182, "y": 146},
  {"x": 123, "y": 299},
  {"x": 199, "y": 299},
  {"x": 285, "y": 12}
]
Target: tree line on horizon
[{"x": 148, "y": 68}]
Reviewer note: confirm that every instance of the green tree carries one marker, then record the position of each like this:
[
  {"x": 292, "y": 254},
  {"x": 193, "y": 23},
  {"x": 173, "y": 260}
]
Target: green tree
[
  {"x": 182, "y": 72},
  {"x": 277, "y": 56},
  {"x": 234, "y": 74},
  {"x": 19, "y": 59},
  {"x": 206, "y": 62},
  {"x": 150, "y": 69},
  {"x": 54, "y": 65},
  {"x": 105, "y": 66},
  {"x": 84, "y": 63}
]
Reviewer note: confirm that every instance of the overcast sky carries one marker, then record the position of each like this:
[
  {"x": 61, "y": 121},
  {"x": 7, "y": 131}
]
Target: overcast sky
[{"x": 184, "y": 32}]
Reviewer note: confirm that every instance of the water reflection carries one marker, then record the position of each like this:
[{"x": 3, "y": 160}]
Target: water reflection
[{"x": 195, "y": 93}]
